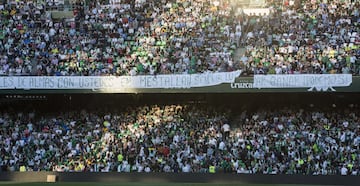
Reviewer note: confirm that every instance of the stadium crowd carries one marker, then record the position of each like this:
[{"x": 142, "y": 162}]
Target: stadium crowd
[
  {"x": 135, "y": 37},
  {"x": 183, "y": 138},
  {"x": 179, "y": 36},
  {"x": 314, "y": 37}
]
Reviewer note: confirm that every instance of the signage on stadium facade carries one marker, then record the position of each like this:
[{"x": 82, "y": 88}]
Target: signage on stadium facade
[
  {"x": 319, "y": 82},
  {"x": 243, "y": 84},
  {"x": 118, "y": 82}
]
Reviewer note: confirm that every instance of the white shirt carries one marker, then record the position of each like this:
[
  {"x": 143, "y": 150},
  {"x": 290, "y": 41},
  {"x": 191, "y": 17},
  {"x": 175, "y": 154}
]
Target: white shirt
[
  {"x": 147, "y": 169},
  {"x": 222, "y": 146},
  {"x": 344, "y": 171},
  {"x": 226, "y": 127},
  {"x": 186, "y": 168},
  {"x": 212, "y": 141}
]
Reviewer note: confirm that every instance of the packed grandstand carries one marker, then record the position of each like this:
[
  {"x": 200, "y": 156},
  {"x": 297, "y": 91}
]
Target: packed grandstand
[
  {"x": 145, "y": 37},
  {"x": 183, "y": 138}
]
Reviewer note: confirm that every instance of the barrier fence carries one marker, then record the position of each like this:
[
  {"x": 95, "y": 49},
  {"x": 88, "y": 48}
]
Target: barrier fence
[{"x": 180, "y": 177}]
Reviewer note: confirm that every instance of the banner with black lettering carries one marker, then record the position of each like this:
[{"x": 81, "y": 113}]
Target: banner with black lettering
[
  {"x": 319, "y": 82},
  {"x": 118, "y": 82}
]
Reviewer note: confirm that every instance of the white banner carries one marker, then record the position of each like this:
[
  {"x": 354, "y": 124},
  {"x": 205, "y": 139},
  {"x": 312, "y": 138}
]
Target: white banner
[
  {"x": 118, "y": 82},
  {"x": 320, "y": 82}
]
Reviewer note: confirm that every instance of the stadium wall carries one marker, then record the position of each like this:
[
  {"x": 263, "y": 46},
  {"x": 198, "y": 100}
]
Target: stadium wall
[{"x": 180, "y": 177}]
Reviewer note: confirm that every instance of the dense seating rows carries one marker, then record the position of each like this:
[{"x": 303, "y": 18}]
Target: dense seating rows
[
  {"x": 317, "y": 37},
  {"x": 135, "y": 37},
  {"x": 177, "y": 36},
  {"x": 183, "y": 138}
]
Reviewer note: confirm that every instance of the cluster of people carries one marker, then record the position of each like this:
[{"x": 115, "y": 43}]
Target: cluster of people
[
  {"x": 183, "y": 138},
  {"x": 317, "y": 37},
  {"x": 132, "y": 38},
  {"x": 178, "y": 36}
]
